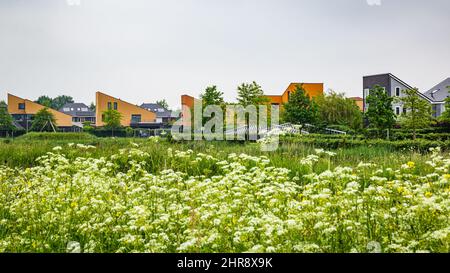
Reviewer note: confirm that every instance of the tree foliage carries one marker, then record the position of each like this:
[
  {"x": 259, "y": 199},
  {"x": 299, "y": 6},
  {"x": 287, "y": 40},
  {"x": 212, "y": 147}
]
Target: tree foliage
[
  {"x": 6, "y": 120},
  {"x": 56, "y": 103},
  {"x": 212, "y": 96},
  {"x": 112, "y": 118},
  {"x": 251, "y": 94},
  {"x": 418, "y": 114},
  {"x": 45, "y": 101},
  {"x": 163, "y": 103},
  {"x": 445, "y": 117},
  {"x": 300, "y": 108},
  {"x": 43, "y": 121},
  {"x": 336, "y": 109},
  {"x": 380, "y": 113}
]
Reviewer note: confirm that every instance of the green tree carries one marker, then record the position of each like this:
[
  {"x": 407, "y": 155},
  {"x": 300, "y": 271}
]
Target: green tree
[
  {"x": 44, "y": 120},
  {"x": 251, "y": 94},
  {"x": 60, "y": 101},
  {"x": 336, "y": 109},
  {"x": 418, "y": 111},
  {"x": 380, "y": 113},
  {"x": 445, "y": 117},
  {"x": 92, "y": 106},
  {"x": 87, "y": 127},
  {"x": 212, "y": 96},
  {"x": 163, "y": 103},
  {"x": 112, "y": 119},
  {"x": 300, "y": 108},
  {"x": 6, "y": 120},
  {"x": 45, "y": 101}
]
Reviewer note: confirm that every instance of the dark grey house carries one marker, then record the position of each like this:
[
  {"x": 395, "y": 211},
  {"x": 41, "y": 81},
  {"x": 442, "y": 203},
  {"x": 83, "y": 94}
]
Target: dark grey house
[
  {"x": 80, "y": 113},
  {"x": 163, "y": 115},
  {"x": 437, "y": 95},
  {"x": 393, "y": 86}
]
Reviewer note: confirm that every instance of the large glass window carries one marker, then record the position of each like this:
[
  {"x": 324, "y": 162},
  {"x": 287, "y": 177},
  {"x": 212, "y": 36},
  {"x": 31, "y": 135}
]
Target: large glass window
[
  {"x": 115, "y": 106},
  {"x": 109, "y": 105},
  {"x": 135, "y": 118},
  {"x": 21, "y": 106}
]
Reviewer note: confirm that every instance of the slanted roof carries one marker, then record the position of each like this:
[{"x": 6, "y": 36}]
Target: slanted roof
[
  {"x": 75, "y": 112},
  {"x": 439, "y": 92},
  {"x": 160, "y": 111},
  {"x": 403, "y": 83}
]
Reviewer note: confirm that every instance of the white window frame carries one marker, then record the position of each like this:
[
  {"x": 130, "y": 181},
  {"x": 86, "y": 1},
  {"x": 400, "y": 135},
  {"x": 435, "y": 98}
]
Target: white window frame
[{"x": 399, "y": 91}]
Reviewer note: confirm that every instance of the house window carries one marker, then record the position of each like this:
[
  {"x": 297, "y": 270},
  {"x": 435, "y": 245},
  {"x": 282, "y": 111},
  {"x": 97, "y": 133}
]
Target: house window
[
  {"x": 115, "y": 106},
  {"x": 66, "y": 109},
  {"x": 109, "y": 105},
  {"x": 135, "y": 118},
  {"x": 397, "y": 110},
  {"x": 21, "y": 106},
  {"x": 404, "y": 110},
  {"x": 366, "y": 92},
  {"x": 397, "y": 91}
]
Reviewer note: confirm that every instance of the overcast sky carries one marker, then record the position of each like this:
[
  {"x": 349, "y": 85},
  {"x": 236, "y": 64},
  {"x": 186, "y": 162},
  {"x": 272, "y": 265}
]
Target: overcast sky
[{"x": 145, "y": 50}]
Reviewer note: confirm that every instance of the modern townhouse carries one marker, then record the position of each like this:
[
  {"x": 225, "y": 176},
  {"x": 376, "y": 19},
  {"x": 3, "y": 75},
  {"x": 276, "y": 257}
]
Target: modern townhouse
[
  {"x": 132, "y": 115},
  {"x": 23, "y": 110}
]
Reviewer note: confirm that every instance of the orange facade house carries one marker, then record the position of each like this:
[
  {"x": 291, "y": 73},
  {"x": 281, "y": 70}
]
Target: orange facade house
[
  {"x": 132, "y": 115},
  {"x": 23, "y": 110},
  {"x": 312, "y": 90},
  {"x": 359, "y": 102}
]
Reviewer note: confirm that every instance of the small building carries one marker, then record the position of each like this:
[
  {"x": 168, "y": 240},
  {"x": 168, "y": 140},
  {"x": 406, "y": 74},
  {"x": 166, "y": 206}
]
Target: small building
[
  {"x": 163, "y": 115},
  {"x": 80, "y": 113},
  {"x": 438, "y": 94}
]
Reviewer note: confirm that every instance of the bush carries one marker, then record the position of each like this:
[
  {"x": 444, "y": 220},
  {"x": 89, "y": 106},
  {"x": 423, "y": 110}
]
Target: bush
[{"x": 57, "y": 136}]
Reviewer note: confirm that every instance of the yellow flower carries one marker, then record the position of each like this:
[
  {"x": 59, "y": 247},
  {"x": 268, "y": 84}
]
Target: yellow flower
[
  {"x": 428, "y": 194},
  {"x": 74, "y": 204},
  {"x": 447, "y": 176},
  {"x": 411, "y": 164}
]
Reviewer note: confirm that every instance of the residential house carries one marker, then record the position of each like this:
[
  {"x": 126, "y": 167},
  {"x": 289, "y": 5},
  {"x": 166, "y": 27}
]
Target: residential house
[
  {"x": 312, "y": 90},
  {"x": 163, "y": 115},
  {"x": 359, "y": 102},
  {"x": 437, "y": 96},
  {"x": 23, "y": 111},
  {"x": 80, "y": 113},
  {"x": 394, "y": 88},
  {"x": 132, "y": 115}
]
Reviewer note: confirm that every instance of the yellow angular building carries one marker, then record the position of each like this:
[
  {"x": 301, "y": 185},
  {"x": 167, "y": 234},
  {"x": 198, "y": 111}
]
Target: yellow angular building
[
  {"x": 23, "y": 110},
  {"x": 132, "y": 115}
]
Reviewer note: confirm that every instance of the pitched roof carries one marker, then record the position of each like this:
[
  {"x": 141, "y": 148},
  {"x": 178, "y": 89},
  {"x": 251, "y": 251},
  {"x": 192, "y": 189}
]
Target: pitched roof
[
  {"x": 439, "y": 92},
  {"x": 75, "y": 112},
  {"x": 160, "y": 111},
  {"x": 403, "y": 83}
]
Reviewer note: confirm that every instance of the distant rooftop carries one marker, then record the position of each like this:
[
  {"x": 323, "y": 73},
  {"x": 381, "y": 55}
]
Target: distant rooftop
[
  {"x": 77, "y": 110},
  {"x": 439, "y": 92},
  {"x": 160, "y": 111}
]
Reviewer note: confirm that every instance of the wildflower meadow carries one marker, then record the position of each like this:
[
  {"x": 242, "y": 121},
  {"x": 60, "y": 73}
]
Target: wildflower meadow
[{"x": 153, "y": 196}]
